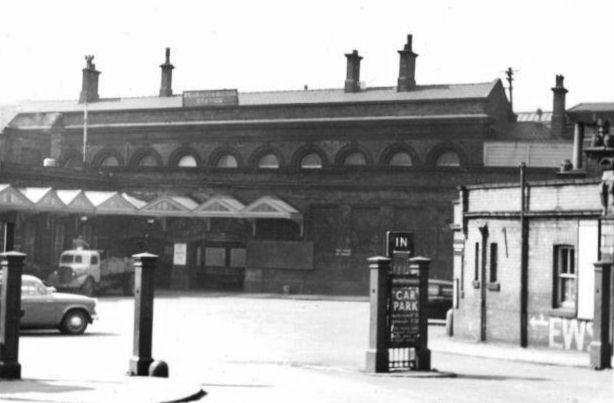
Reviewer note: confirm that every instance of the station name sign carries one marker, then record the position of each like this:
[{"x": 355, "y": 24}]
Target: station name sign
[{"x": 211, "y": 98}]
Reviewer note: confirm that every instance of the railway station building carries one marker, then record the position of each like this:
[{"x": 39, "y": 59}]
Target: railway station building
[{"x": 281, "y": 191}]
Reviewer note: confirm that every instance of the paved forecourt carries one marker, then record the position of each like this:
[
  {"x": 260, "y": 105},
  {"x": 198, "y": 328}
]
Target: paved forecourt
[{"x": 270, "y": 348}]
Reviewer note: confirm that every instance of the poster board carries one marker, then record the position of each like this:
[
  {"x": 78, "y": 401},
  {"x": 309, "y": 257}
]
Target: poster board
[{"x": 180, "y": 254}]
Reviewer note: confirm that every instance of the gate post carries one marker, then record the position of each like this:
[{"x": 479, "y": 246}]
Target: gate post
[
  {"x": 377, "y": 354},
  {"x": 423, "y": 354},
  {"x": 10, "y": 314},
  {"x": 144, "y": 265},
  {"x": 600, "y": 349}
]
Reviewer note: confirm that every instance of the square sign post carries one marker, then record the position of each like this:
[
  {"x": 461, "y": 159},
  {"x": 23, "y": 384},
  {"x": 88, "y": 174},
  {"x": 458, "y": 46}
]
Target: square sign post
[
  {"x": 399, "y": 292},
  {"x": 407, "y": 321},
  {"x": 10, "y": 314}
]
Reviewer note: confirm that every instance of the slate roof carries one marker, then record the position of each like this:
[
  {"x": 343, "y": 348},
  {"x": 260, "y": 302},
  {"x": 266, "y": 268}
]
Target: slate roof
[
  {"x": 379, "y": 94},
  {"x": 593, "y": 107},
  {"x": 529, "y": 131},
  {"x": 588, "y": 111}
]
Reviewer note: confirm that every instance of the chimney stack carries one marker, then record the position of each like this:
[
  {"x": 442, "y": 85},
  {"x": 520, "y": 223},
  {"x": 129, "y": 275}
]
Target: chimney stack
[
  {"x": 352, "y": 81},
  {"x": 407, "y": 67},
  {"x": 166, "y": 85},
  {"x": 559, "y": 120},
  {"x": 89, "y": 86}
]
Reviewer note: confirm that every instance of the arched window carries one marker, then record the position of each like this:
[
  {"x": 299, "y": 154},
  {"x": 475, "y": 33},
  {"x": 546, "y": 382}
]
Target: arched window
[
  {"x": 109, "y": 161},
  {"x": 227, "y": 161},
  {"x": 356, "y": 158},
  {"x": 401, "y": 159},
  {"x": 268, "y": 161},
  {"x": 448, "y": 159},
  {"x": 73, "y": 162},
  {"x": 148, "y": 161},
  {"x": 311, "y": 161},
  {"x": 187, "y": 161}
]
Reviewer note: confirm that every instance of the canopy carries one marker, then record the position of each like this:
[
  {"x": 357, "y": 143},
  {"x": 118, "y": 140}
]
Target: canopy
[{"x": 94, "y": 202}]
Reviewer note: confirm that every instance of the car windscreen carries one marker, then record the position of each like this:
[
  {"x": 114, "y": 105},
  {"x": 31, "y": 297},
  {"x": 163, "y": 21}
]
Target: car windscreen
[{"x": 68, "y": 258}]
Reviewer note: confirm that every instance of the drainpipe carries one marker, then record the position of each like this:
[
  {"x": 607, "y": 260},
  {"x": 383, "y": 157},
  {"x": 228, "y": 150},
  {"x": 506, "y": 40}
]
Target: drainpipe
[
  {"x": 484, "y": 232},
  {"x": 524, "y": 258}
]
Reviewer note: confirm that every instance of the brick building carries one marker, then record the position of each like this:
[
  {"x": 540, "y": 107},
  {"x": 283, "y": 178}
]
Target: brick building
[
  {"x": 525, "y": 254},
  {"x": 336, "y": 168}
]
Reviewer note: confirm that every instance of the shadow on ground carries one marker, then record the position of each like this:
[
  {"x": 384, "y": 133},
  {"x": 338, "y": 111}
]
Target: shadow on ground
[
  {"x": 481, "y": 377},
  {"x": 45, "y": 386},
  {"x": 57, "y": 333}
]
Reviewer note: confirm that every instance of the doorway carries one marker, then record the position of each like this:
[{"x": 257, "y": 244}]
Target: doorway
[{"x": 219, "y": 265}]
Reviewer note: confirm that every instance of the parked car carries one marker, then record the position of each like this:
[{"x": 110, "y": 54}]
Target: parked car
[
  {"x": 439, "y": 298},
  {"x": 44, "y": 308}
]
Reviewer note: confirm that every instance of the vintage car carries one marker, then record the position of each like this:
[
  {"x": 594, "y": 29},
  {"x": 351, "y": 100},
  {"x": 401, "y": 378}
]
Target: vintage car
[
  {"x": 43, "y": 308},
  {"x": 439, "y": 298}
]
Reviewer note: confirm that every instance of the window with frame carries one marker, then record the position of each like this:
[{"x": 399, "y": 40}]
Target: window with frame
[
  {"x": 227, "y": 161},
  {"x": 109, "y": 161},
  {"x": 355, "y": 158},
  {"x": 565, "y": 277},
  {"x": 268, "y": 161},
  {"x": 148, "y": 161},
  {"x": 311, "y": 161},
  {"x": 187, "y": 161},
  {"x": 401, "y": 159},
  {"x": 493, "y": 262},
  {"x": 448, "y": 159}
]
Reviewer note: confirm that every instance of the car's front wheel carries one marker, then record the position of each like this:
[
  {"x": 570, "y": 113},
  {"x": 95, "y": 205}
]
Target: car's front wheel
[{"x": 74, "y": 322}]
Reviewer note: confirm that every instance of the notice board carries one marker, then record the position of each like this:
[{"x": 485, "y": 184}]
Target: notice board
[{"x": 404, "y": 311}]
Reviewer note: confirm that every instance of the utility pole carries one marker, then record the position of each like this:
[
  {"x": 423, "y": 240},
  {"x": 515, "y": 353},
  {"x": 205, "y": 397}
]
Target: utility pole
[
  {"x": 509, "y": 76},
  {"x": 84, "y": 133}
]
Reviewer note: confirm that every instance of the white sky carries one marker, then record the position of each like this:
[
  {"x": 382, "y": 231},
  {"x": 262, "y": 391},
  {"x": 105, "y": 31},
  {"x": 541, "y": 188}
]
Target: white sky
[{"x": 279, "y": 45}]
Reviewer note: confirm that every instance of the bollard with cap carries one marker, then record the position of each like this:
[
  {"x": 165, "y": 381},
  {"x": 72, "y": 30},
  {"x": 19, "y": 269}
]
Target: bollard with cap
[
  {"x": 144, "y": 265},
  {"x": 10, "y": 314},
  {"x": 600, "y": 348},
  {"x": 377, "y": 354}
]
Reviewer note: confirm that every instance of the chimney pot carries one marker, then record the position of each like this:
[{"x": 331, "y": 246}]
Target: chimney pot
[
  {"x": 89, "y": 85},
  {"x": 352, "y": 80},
  {"x": 408, "y": 44},
  {"x": 407, "y": 67},
  {"x": 166, "y": 84},
  {"x": 559, "y": 118}
]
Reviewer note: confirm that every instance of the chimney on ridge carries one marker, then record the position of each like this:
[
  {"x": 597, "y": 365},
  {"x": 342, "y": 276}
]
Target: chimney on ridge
[
  {"x": 352, "y": 81},
  {"x": 89, "y": 85},
  {"x": 559, "y": 120},
  {"x": 166, "y": 85},
  {"x": 407, "y": 67}
]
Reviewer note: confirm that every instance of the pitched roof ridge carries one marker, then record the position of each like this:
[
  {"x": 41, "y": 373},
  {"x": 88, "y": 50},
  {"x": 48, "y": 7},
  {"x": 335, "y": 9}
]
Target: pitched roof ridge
[{"x": 295, "y": 90}]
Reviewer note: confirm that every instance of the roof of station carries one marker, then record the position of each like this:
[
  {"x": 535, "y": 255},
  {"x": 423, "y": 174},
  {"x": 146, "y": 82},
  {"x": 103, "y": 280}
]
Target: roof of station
[
  {"x": 93, "y": 202},
  {"x": 313, "y": 96},
  {"x": 590, "y": 111}
]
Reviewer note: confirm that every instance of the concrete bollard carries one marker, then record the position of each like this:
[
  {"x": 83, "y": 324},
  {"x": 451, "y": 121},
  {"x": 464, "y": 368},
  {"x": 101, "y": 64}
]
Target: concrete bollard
[
  {"x": 450, "y": 323},
  {"x": 377, "y": 354},
  {"x": 600, "y": 349},
  {"x": 10, "y": 314},
  {"x": 144, "y": 265},
  {"x": 158, "y": 369}
]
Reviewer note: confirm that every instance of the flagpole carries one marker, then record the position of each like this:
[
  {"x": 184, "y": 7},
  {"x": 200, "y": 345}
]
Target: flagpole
[{"x": 84, "y": 133}]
